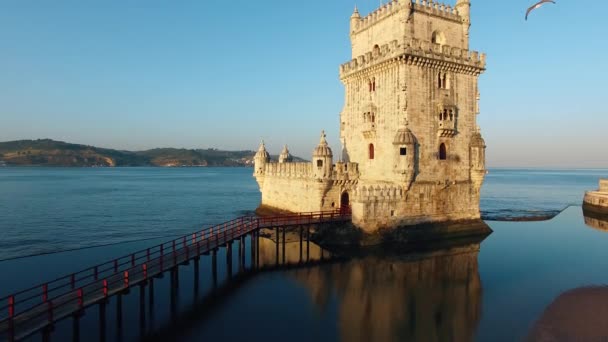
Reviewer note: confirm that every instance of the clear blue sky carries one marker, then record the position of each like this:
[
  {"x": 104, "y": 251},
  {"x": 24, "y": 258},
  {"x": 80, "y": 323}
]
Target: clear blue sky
[{"x": 217, "y": 73}]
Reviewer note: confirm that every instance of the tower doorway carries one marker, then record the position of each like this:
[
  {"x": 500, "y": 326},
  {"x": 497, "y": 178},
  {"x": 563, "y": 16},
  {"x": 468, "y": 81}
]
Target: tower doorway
[{"x": 345, "y": 203}]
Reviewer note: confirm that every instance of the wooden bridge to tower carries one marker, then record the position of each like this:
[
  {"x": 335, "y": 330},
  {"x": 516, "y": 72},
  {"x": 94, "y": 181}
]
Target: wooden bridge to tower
[{"x": 40, "y": 308}]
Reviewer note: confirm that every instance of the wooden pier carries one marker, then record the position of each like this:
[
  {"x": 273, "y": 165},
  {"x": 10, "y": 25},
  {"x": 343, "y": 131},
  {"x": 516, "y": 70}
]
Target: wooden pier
[{"x": 39, "y": 308}]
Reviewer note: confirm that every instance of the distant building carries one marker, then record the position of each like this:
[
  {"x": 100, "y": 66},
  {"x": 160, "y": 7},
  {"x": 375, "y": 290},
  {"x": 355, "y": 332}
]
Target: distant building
[{"x": 412, "y": 151}]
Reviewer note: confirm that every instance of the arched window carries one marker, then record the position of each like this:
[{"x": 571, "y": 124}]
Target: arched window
[
  {"x": 369, "y": 82},
  {"x": 439, "y": 80},
  {"x": 371, "y": 151},
  {"x": 376, "y": 49},
  {"x": 445, "y": 80},
  {"x": 443, "y": 153},
  {"x": 373, "y": 117},
  {"x": 374, "y": 84},
  {"x": 451, "y": 115}
]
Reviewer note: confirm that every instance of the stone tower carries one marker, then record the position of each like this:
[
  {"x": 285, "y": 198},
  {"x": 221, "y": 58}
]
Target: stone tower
[
  {"x": 411, "y": 148},
  {"x": 409, "y": 118}
]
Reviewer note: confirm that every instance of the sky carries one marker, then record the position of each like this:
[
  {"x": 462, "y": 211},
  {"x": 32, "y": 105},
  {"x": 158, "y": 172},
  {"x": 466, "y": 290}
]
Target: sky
[{"x": 135, "y": 75}]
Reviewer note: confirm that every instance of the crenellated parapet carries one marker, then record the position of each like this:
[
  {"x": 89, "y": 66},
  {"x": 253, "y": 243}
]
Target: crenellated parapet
[
  {"x": 436, "y": 9},
  {"x": 289, "y": 170},
  {"x": 418, "y": 52},
  {"x": 383, "y": 12},
  {"x": 345, "y": 171}
]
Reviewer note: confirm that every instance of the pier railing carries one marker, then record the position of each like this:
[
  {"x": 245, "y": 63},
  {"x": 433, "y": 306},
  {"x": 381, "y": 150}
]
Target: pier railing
[{"x": 45, "y": 303}]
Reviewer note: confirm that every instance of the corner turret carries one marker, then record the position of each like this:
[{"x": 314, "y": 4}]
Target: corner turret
[
  {"x": 405, "y": 151},
  {"x": 463, "y": 7},
  {"x": 285, "y": 156},
  {"x": 478, "y": 159},
  {"x": 261, "y": 158},
  {"x": 322, "y": 159},
  {"x": 354, "y": 20}
]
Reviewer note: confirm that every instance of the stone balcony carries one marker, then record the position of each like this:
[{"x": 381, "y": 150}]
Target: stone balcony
[{"x": 369, "y": 130}]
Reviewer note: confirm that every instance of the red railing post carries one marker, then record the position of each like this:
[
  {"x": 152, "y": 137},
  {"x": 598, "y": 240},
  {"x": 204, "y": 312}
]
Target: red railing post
[
  {"x": 80, "y": 298},
  {"x": 45, "y": 292},
  {"x": 126, "y": 278},
  {"x": 184, "y": 243},
  {"x": 73, "y": 281},
  {"x": 105, "y": 288},
  {"x": 193, "y": 238},
  {"x": 145, "y": 269},
  {"x": 11, "y": 307}
]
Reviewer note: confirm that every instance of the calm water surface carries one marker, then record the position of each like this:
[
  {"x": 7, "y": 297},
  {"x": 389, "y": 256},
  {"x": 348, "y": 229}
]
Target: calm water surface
[{"x": 525, "y": 280}]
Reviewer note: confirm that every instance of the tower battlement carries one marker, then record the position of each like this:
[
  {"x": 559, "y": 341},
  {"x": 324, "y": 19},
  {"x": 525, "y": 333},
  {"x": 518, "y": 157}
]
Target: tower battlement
[
  {"x": 418, "y": 51},
  {"x": 436, "y": 9},
  {"x": 430, "y": 7}
]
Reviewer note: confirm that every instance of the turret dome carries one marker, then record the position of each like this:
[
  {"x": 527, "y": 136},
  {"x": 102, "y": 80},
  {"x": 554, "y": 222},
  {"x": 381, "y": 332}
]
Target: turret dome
[
  {"x": 405, "y": 137},
  {"x": 285, "y": 156},
  {"x": 262, "y": 153},
  {"x": 323, "y": 149}
]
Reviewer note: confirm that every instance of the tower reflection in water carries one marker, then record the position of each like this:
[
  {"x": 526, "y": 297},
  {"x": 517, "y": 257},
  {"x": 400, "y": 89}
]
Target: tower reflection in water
[
  {"x": 396, "y": 295},
  {"x": 418, "y": 296}
]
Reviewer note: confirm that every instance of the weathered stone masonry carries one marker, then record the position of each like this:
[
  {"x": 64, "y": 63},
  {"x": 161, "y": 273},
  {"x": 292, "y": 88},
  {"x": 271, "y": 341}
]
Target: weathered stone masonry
[{"x": 412, "y": 151}]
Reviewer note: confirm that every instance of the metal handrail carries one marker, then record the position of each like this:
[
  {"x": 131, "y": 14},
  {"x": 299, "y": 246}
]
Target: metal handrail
[{"x": 111, "y": 268}]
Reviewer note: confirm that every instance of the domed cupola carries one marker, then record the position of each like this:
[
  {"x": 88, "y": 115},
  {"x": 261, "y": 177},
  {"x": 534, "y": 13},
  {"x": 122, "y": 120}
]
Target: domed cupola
[
  {"x": 405, "y": 137},
  {"x": 323, "y": 149},
  {"x": 261, "y": 158},
  {"x": 322, "y": 159},
  {"x": 262, "y": 154},
  {"x": 405, "y": 151},
  {"x": 285, "y": 156}
]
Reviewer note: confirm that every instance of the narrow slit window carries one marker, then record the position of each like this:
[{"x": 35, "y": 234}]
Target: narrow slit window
[
  {"x": 403, "y": 151},
  {"x": 371, "y": 151}
]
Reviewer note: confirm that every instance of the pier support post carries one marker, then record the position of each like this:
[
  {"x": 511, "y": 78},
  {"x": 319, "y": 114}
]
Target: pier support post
[
  {"x": 278, "y": 239},
  {"x": 119, "y": 317},
  {"x": 252, "y": 250},
  {"x": 102, "y": 321},
  {"x": 301, "y": 238},
  {"x": 46, "y": 333},
  {"x": 308, "y": 243},
  {"x": 76, "y": 327},
  {"x": 229, "y": 259},
  {"x": 142, "y": 310},
  {"x": 174, "y": 289},
  {"x": 151, "y": 300},
  {"x": 284, "y": 257},
  {"x": 214, "y": 267},
  {"x": 196, "y": 277},
  {"x": 242, "y": 254}
]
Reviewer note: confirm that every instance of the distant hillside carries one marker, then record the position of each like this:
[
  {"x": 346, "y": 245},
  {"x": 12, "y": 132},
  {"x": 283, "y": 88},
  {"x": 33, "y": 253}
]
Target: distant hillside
[{"x": 46, "y": 152}]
